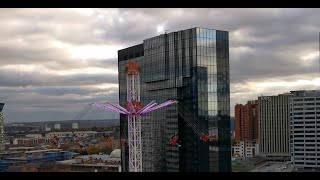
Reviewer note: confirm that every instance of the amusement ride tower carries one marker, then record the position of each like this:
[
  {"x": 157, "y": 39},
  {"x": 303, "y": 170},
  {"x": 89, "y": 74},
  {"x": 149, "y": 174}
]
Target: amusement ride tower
[{"x": 134, "y": 110}]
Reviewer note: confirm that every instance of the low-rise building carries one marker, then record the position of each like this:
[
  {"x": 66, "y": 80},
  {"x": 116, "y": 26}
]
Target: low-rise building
[
  {"x": 75, "y": 126},
  {"x": 34, "y": 135},
  {"x": 246, "y": 148},
  {"x": 71, "y": 134},
  {"x": 31, "y": 141},
  {"x": 59, "y": 134},
  {"x": 95, "y": 163},
  {"x": 85, "y": 133},
  {"x": 57, "y": 126}
]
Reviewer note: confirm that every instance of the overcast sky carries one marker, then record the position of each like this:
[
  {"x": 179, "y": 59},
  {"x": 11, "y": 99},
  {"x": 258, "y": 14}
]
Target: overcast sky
[{"x": 54, "y": 61}]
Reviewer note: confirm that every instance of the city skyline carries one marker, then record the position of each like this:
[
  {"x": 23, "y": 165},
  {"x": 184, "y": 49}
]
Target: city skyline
[{"x": 54, "y": 61}]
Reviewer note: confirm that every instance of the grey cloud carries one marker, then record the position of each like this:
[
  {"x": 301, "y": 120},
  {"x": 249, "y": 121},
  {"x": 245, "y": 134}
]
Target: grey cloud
[
  {"x": 265, "y": 44},
  {"x": 22, "y": 79}
]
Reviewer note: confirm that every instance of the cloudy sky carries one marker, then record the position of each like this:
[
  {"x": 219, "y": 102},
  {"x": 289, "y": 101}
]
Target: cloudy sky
[{"x": 54, "y": 61}]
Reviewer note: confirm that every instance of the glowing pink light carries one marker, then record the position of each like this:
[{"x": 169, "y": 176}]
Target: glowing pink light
[{"x": 152, "y": 106}]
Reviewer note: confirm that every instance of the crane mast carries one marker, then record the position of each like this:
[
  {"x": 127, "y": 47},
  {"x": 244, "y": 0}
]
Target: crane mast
[{"x": 134, "y": 121}]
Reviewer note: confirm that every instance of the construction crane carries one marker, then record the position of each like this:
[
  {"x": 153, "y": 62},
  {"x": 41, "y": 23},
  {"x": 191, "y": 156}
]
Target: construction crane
[{"x": 134, "y": 111}]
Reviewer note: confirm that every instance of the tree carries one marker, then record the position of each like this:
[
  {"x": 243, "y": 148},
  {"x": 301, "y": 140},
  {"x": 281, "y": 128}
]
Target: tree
[{"x": 64, "y": 146}]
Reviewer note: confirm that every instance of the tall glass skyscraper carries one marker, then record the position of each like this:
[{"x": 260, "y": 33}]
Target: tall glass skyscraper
[{"x": 191, "y": 66}]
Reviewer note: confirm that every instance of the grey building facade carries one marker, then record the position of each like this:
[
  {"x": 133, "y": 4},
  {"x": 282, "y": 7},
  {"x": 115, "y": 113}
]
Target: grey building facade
[
  {"x": 191, "y": 66},
  {"x": 305, "y": 129},
  {"x": 274, "y": 126}
]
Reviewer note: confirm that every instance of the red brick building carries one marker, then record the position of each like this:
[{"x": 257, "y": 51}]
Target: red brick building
[{"x": 246, "y": 121}]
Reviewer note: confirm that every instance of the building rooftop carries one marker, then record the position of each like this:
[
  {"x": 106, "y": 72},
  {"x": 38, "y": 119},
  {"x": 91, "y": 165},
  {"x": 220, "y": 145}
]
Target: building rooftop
[
  {"x": 21, "y": 148},
  {"x": 46, "y": 150},
  {"x": 85, "y": 132},
  {"x": 59, "y": 133},
  {"x": 303, "y": 93},
  {"x": 274, "y": 167}
]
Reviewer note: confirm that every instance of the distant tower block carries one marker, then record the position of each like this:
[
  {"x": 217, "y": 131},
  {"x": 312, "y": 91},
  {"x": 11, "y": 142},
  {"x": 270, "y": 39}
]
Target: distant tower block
[
  {"x": 48, "y": 129},
  {"x": 1, "y": 128},
  {"x": 75, "y": 126},
  {"x": 57, "y": 126}
]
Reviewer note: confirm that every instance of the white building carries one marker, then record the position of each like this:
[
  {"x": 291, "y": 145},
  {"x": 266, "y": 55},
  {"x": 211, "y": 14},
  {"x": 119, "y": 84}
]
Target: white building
[
  {"x": 95, "y": 163},
  {"x": 70, "y": 134},
  {"x": 31, "y": 141},
  {"x": 57, "y": 126},
  {"x": 47, "y": 128},
  {"x": 75, "y": 126},
  {"x": 34, "y": 136},
  {"x": 305, "y": 129},
  {"x": 245, "y": 149},
  {"x": 59, "y": 134}
]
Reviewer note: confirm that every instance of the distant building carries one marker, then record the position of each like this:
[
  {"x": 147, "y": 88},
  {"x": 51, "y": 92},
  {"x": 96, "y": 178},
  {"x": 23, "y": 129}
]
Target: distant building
[
  {"x": 305, "y": 129},
  {"x": 246, "y": 129},
  {"x": 71, "y": 134},
  {"x": 95, "y": 163},
  {"x": 47, "y": 128},
  {"x": 59, "y": 134},
  {"x": 246, "y": 121},
  {"x": 57, "y": 126},
  {"x": 21, "y": 149},
  {"x": 85, "y": 133},
  {"x": 75, "y": 126},
  {"x": 34, "y": 136},
  {"x": 274, "y": 127},
  {"x": 245, "y": 148},
  {"x": 2, "y": 146},
  {"x": 22, "y": 158},
  {"x": 31, "y": 141}
]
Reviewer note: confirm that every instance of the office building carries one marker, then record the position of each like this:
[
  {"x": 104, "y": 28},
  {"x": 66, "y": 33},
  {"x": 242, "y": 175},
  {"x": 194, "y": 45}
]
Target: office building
[
  {"x": 246, "y": 129},
  {"x": 246, "y": 121},
  {"x": 274, "y": 127},
  {"x": 245, "y": 148},
  {"x": 1, "y": 128},
  {"x": 305, "y": 129},
  {"x": 191, "y": 66}
]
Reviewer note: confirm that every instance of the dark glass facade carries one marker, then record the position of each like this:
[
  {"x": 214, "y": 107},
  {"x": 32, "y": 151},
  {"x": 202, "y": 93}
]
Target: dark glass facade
[{"x": 191, "y": 66}]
